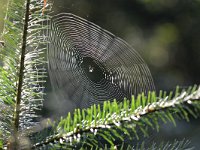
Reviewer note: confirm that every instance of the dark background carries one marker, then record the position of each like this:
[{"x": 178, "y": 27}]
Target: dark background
[{"x": 165, "y": 33}]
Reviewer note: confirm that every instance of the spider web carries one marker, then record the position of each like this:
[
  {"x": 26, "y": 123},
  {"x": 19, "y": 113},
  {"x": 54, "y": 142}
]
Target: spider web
[{"x": 88, "y": 65}]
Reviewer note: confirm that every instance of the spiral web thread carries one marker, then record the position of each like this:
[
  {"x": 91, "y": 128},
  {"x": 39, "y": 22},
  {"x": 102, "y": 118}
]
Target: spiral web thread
[{"x": 88, "y": 65}]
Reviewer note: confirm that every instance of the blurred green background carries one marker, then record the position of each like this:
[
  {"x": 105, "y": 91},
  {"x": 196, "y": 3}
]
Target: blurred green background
[
  {"x": 166, "y": 33},
  {"x": 3, "y": 4}
]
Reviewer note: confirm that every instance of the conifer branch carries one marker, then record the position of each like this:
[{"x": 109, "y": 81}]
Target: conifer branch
[
  {"x": 21, "y": 69},
  {"x": 133, "y": 114},
  {"x": 21, "y": 75}
]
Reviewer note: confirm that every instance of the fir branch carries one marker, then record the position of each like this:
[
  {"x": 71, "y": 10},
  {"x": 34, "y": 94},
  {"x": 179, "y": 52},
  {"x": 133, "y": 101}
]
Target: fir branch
[
  {"x": 22, "y": 73},
  {"x": 21, "y": 69},
  {"x": 115, "y": 115}
]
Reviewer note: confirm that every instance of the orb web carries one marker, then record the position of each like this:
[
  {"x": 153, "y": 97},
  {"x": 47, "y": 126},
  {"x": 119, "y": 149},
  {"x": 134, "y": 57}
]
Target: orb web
[{"x": 89, "y": 65}]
